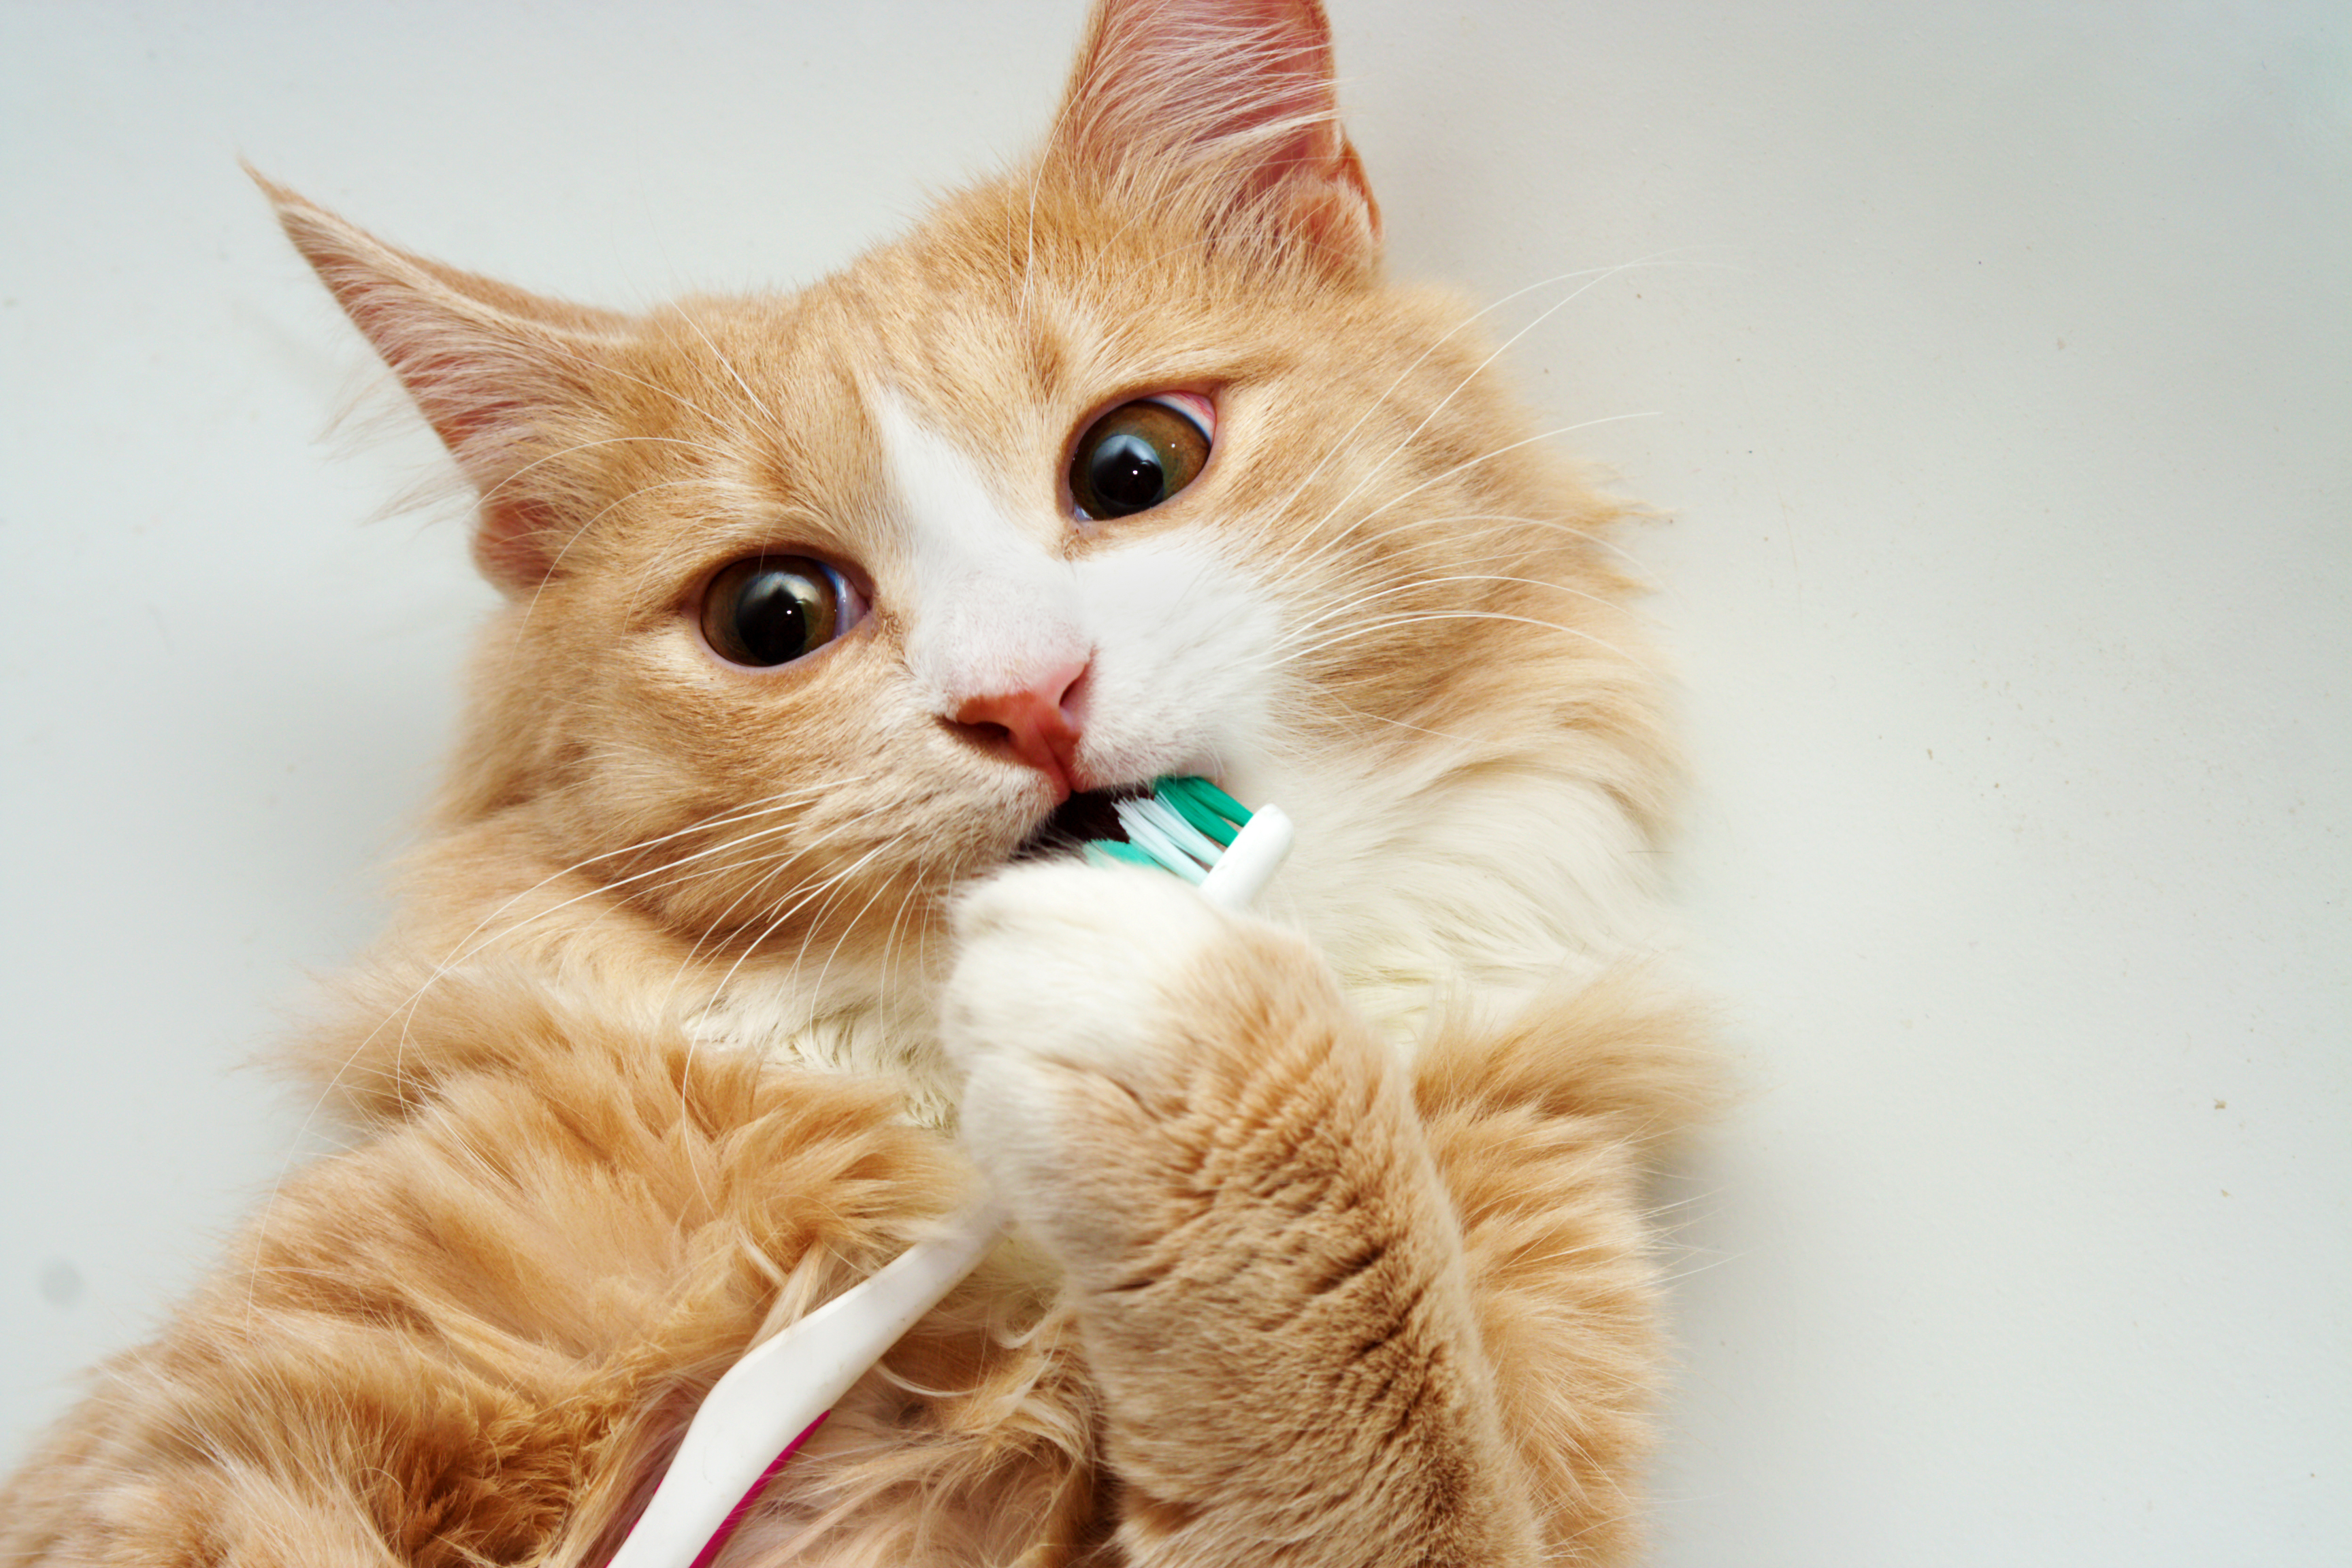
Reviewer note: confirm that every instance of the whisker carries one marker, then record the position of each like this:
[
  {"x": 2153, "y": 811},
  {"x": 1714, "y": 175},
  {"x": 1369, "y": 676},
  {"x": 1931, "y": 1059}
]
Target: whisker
[
  {"x": 800, "y": 902},
  {"x": 1595, "y": 278},
  {"x": 1287, "y": 560},
  {"x": 816, "y": 988},
  {"x": 1382, "y": 625},
  {"x": 783, "y": 803},
  {"x": 1416, "y": 585},
  {"x": 577, "y": 534},
  {"x": 1381, "y": 401},
  {"x": 1631, "y": 564},
  {"x": 712, "y": 927},
  {"x": 466, "y": 948},
  {"x": 602, "y": 367}
]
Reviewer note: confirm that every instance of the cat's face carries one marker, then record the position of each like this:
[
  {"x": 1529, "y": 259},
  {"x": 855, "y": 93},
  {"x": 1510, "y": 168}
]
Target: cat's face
[{"x": 823, "y": 605}]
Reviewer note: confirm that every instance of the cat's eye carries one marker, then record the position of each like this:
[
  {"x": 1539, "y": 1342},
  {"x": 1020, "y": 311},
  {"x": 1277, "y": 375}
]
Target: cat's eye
[
  {"x": 772, "y": 609},
  {"x": 1140, "y": 453}
]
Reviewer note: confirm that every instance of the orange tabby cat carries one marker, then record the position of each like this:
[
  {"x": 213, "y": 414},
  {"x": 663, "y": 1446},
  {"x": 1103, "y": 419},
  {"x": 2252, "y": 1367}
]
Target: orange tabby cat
[{"x": 830, "y": 619}]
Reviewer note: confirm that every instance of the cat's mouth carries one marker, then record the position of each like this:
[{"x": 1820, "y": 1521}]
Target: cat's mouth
[{"x": 1087, "y": 815}]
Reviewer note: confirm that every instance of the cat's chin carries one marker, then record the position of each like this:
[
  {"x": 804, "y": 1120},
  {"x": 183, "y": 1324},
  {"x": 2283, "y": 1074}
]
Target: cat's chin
[{"x": 1087, "y": 815}]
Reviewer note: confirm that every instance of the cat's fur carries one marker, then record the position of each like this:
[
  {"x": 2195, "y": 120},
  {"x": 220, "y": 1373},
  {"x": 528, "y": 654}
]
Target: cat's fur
[{"x": 1331, "y": 1244}]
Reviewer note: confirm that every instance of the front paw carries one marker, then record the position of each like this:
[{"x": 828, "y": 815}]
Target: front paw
[
  {"x": 1072, "y": 965},
  {"x": 1091, "y": 1012}
]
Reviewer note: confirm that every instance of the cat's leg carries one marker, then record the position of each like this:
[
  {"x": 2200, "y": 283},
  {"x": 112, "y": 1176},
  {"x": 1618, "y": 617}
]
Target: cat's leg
[
  {"x": 90, "y": 1499},
  {"x": 469, "y": 1338},
  {"x": 1266, "y": 1268},
  {"x": 1545, "y": 1130}
]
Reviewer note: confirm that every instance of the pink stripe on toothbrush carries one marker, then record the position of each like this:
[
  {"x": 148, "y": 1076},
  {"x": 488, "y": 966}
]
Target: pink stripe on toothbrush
[{"x": 709, "y": 1552}]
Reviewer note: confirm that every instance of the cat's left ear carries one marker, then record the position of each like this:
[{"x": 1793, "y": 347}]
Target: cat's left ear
[
  {"x": 501, "y": 374},
  {"x": 1231, "y": 107}
]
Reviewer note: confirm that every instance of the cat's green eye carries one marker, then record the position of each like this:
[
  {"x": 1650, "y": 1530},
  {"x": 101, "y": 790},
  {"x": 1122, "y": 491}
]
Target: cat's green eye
[
  {"x": 772, "y": 609},
  {"x": 1139, "y": 453}
]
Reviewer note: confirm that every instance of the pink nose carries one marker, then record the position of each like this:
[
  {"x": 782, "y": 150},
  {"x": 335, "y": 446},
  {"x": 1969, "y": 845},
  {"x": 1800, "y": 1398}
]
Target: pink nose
[{"x": 1038, "y": 723}]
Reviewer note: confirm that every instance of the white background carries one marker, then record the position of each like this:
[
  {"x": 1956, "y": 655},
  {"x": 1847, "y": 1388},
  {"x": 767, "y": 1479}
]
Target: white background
[{"x": 1995, "y": 365}]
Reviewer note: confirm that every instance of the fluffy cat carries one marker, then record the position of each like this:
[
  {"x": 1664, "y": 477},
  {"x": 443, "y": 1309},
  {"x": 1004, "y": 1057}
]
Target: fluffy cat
[{"x": 743, "y": 933}]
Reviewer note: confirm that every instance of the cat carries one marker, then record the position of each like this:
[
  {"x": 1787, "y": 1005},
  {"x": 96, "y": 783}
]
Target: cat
[{"x": 746, "y": 941}]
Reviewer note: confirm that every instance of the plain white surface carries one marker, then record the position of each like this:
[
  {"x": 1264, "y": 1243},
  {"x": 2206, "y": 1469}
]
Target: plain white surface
[{"x": 1997, "y": 367}]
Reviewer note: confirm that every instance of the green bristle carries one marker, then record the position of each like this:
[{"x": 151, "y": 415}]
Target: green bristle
[
  {"x": 1204, "y": 805},
  {"x": 1210, "y": 810},
  {"x": 1112, "y": 851}
]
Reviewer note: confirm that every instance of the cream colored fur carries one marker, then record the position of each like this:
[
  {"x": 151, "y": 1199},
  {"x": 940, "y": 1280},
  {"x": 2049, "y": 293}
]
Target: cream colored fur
[{"x": 713, "y": 985}]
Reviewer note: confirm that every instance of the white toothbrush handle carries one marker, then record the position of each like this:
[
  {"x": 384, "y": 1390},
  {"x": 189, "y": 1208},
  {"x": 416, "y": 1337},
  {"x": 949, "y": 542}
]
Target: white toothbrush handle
[
  {"x": 1250, "y": 861},
  {"x": 773, "y": 1397}
]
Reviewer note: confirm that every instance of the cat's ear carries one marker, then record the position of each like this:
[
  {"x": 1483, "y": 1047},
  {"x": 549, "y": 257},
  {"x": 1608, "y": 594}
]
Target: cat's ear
[
  {"x": 499, "y": 373},
  {"x": 1232, "y": 104}
]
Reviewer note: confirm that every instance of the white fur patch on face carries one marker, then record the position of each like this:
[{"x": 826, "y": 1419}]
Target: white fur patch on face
[
  {"x": 1177, "y": 640},
  {"x": 1184, "y": 654},
  {"x": 994, "y": 608}
]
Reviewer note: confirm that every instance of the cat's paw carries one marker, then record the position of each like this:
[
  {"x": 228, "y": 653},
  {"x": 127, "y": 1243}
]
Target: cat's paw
[
  {"x": 1072, "y": 966},
  {"x": 1090, "y": 1014},
  {"x": 1134, "y": 1059}
]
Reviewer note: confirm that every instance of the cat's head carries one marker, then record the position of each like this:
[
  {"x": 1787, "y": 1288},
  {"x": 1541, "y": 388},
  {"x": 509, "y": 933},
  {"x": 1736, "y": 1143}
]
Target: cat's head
[{"x": 822, "y": 605}]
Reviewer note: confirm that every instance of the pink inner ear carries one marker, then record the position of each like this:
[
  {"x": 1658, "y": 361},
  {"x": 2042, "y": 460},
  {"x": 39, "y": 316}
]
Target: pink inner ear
[
  {"x": 1241, "y": 87},
  {"x": 1340, "y": 215},
  {"x": 1280, "y": 56},
  {"x": 490, "y": 367},
  {"x": 510, "y": 546},
  {"x": 482, "y": 392},
  {"x": 1164, "y": 74}
]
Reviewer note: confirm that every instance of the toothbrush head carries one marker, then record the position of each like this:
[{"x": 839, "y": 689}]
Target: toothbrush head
[
  {"x": 1190, "y": 826},
  {"x": 1183, "y": 825}
]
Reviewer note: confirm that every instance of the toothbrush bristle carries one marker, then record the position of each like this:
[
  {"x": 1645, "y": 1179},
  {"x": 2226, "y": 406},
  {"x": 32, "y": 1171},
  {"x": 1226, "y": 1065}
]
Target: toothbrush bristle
[
  {"x": 1158, "y": 816},
  {"x": 1112, "y": 852},
  {"x": 1201, "y": 804},
  {"x": 1181, "y": 826},
  {"x": 1148, "y": 830}
]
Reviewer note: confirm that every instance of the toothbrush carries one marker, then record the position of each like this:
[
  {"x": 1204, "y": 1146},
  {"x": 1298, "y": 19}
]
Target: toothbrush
[{"x": 757, "y": 1415}]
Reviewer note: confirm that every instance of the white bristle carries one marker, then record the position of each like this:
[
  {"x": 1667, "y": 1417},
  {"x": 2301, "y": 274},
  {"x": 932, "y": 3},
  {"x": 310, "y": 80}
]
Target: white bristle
[
  {"x": 1147, "y": 835},
  {"x": 1171, "y": 821}
]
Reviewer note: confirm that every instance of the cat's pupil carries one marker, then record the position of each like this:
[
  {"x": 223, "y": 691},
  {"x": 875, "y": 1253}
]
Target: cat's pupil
[
  {"x": 1127, "y": 473},
  {"x": 770, "y": 610},
  {"x": 1134, "y": 457}
]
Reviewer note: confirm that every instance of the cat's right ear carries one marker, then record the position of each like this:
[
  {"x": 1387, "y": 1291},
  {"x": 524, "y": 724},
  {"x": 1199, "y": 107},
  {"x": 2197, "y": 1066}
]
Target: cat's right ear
[
  {"x": 499, "y": 373},
  {"x": 1227, "y": 112}
]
